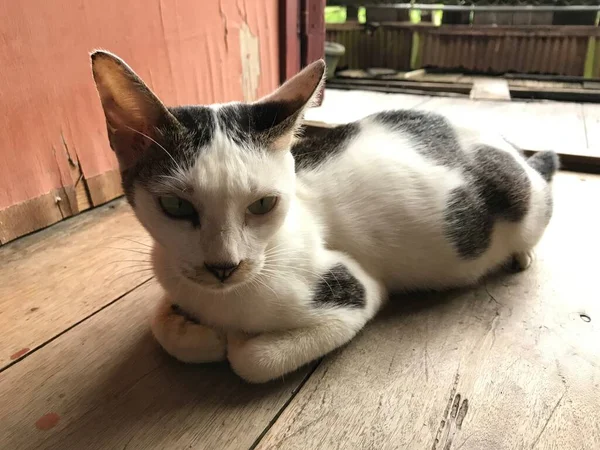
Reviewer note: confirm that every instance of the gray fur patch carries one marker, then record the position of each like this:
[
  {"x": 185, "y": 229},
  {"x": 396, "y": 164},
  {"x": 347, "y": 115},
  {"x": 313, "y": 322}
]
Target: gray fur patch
[
  {"x": 338, "y": 287},
  {"x": 501, "y": 182},
  {"x": 497, "y": 188},
  {"x": 243, "y": 123},
  {"x": 258, "y": 123},
  {"x": 546, "y": 163},
  {"x": 549, "y": 204},
  {"x": 182, "y": 144},
  {"x": 310, "y": 152},
  {"x": 432, "y": 134},
  {"x": 467, "y": 222}
]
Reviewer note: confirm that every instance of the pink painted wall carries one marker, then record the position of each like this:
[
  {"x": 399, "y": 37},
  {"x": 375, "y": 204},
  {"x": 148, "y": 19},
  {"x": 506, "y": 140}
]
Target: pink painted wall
[{"x": 188, "y": 51}]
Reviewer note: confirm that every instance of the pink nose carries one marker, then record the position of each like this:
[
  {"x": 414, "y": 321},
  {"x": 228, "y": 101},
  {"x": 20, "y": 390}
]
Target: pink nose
[{"x": 222, "y": 270}]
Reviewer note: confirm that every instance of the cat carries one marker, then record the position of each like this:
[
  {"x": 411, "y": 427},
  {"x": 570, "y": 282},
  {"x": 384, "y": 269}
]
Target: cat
[{"x": 274, "y": 250}]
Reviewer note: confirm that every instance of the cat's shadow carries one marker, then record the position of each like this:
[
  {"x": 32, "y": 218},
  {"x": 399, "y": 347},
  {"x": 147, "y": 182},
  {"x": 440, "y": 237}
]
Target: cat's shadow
[
  {"x": 143, "y": 388},
  {"x": 143, "y": 383}
]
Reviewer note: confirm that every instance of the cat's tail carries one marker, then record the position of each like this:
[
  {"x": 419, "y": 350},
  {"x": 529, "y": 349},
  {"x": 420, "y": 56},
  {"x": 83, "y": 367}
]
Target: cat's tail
[{"x": 546, "y": 163}]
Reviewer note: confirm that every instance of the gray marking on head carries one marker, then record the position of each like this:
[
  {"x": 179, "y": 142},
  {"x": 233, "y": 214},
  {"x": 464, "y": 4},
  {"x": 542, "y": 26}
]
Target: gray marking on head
[
  {"x": 182, "y": 144},
  {"x": 338, "y": 287}
]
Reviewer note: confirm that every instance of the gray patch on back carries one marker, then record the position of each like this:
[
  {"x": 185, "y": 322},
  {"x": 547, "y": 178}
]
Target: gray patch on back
[
  {"x": 432, "y": 134},
  {"x": 497, "y": 188},
  {"x": 549, "y": 204},
  {"x": 467, "y": 223},
  {"x": 310, "y": 152},
  {"x": 338, "y": 287}
]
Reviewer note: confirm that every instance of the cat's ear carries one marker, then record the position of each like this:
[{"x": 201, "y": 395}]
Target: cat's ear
[
  {"x": 134, "y": 115},
  {"x": 280, "y": 113}
]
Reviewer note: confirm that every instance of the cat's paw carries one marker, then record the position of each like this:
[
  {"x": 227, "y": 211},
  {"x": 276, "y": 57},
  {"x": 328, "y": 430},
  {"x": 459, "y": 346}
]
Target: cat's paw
[
  {"x": 520, "y": 262},
  {"x": 185, "y": 339},
  {"x": 248, "y": 358}
]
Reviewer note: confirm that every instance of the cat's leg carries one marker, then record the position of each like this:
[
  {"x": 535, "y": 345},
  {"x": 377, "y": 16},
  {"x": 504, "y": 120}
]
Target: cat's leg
[
  {"x": 339, "y": 311},
  {"x": 271, "y": 355},
  {"x": 185, "y": 339}
]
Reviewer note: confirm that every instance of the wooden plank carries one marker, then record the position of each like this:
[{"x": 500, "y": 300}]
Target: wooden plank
[
  {"x": 490, "y": 89},
  {"x": 530, "y": 125},
  {"x": 591, "y": 115},
  {"x": 36, "y": 213},
  {"x": 105, "y": 187},
  {"x": 51, "y": 280},
  {"x": 513, "y": 364},
  {"x": 40, "y": 212},
  {"x": 107, "y": 385}
]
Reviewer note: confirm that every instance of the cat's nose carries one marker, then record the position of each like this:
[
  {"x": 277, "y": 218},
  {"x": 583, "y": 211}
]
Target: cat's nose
[{"x": 222, "y": 270}]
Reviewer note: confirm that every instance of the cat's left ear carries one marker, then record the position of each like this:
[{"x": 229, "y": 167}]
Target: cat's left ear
[
  {"x": 278, "y": 115},
  {"x": 134, "y": 114}
]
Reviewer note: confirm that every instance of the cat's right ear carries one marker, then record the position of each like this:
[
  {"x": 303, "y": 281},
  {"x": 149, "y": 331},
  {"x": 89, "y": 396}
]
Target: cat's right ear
[
  {"x": 281, "y": 112},
  {"x": 134, "y": 115}
]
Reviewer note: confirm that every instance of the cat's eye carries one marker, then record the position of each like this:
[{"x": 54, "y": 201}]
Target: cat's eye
[
  {"x": 262, "y": 206},
  {"x": 177, "y": 208}
]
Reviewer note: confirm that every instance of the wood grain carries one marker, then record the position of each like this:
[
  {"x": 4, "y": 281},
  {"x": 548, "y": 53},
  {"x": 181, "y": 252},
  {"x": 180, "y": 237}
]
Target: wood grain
[
  {"x": 107, "y": 385},
  {"x": 53, "y": 279},
  {"x": 512, "y": 364}
]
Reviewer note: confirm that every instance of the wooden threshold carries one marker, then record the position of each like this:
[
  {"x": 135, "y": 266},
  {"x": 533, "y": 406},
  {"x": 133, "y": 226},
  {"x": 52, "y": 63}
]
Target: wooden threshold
[{"x": 38, "y": 213}]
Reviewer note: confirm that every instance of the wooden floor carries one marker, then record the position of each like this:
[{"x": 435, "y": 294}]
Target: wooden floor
[{"x": 511, "y": 364}]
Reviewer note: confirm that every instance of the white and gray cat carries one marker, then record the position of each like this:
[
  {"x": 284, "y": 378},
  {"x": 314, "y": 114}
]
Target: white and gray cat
[{"x": 279, "y": 249}]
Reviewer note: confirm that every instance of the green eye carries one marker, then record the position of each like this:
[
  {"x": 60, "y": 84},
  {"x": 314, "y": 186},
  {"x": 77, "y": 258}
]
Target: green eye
[
  {"x": 262, "y": 206},
  {"x": 177, "y": 208}
]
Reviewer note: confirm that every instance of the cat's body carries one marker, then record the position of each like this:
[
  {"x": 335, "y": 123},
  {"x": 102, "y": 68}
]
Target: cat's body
[
  {"x": 435, "y": 214},
  {"x": 398, "y": 201}
]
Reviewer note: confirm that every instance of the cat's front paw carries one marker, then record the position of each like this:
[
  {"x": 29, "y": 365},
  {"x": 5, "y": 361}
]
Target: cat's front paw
[
  {"x": 186, "y": 339},
  {"x": 248, "y": 358},
  {"x": 520, "y": 262}
]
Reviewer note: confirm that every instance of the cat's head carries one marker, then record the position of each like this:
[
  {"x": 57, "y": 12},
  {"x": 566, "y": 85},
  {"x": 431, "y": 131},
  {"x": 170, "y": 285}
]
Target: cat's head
[{"x": 212, "y": 184}]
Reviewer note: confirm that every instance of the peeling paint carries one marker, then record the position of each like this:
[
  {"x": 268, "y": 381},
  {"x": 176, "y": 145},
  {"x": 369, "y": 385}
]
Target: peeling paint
[{"x": 250, "y": 55}]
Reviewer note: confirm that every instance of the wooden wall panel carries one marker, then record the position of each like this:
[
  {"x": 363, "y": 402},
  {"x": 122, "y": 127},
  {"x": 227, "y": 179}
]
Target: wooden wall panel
[{"x": 53, "y": 134}]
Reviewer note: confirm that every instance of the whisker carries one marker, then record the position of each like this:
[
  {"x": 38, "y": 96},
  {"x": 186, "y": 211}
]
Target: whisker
[
  {"x": 130, "y": 250},
  {"x": 134, "y": 241},
  {"x": 131, "y": 273}
]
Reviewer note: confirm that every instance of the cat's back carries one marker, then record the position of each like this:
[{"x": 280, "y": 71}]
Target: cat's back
[{"x": 399, "y": 188}]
